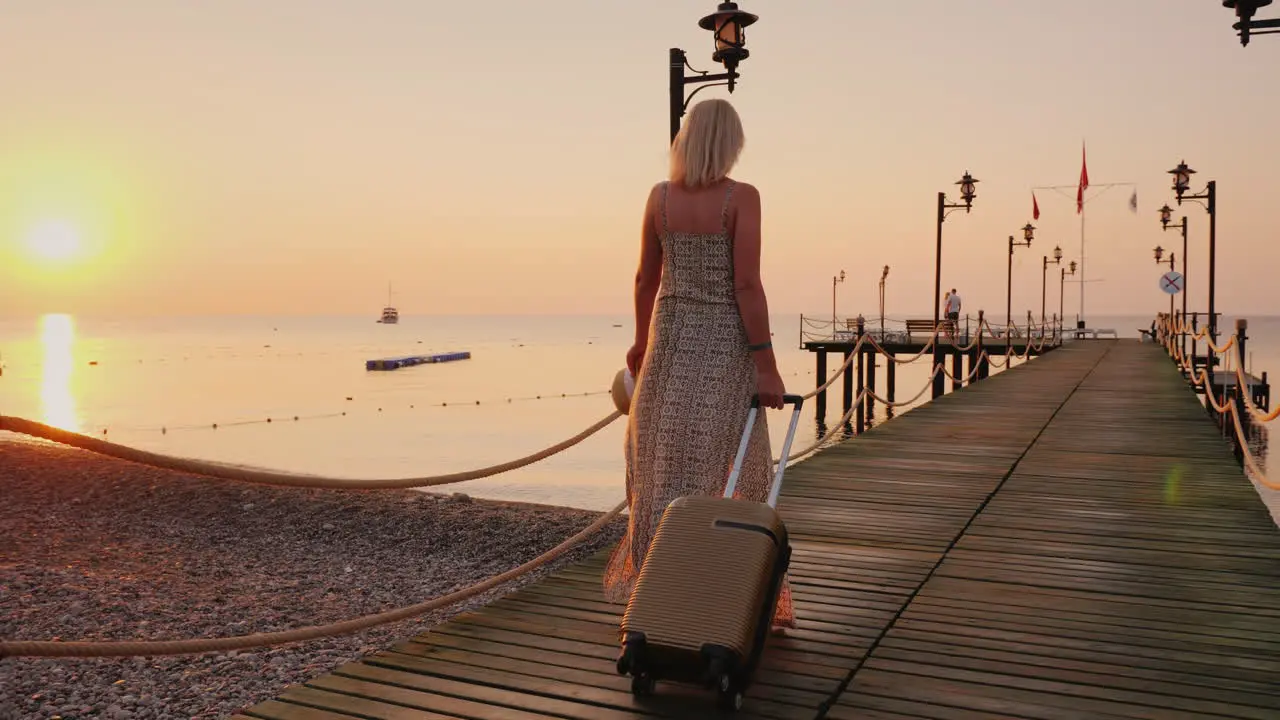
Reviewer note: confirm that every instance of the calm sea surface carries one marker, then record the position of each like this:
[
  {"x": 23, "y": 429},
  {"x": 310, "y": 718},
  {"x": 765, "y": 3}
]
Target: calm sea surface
[{"x": 162, "y": 385}]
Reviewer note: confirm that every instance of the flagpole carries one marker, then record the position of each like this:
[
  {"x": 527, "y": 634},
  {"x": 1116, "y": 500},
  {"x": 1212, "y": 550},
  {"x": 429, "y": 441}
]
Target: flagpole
[
  {"x": 1082, "y": 202},
  {"x": 1080, "y": 318}
]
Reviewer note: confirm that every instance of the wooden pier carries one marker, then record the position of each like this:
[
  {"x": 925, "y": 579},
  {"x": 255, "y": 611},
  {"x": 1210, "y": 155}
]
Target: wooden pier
[{"x": 1070, "y": 538}]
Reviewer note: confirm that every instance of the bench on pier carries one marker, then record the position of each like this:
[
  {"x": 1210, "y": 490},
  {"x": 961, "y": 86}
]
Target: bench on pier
[
  {"x": 925, "y": 327},
  {"x": 1093, "y": 332}
]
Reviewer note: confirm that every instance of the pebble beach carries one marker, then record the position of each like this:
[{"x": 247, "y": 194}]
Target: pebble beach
[{"x": 93, "y": 548}]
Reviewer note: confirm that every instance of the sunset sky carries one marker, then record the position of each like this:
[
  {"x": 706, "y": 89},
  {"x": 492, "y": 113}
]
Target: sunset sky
[{"x": 295, "y": 156}]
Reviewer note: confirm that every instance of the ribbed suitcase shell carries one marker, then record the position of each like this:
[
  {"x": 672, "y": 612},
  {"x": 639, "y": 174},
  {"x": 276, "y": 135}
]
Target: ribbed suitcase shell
[
  {"x": 707, "y": 577},
  {"x": 702, "y": 603}
]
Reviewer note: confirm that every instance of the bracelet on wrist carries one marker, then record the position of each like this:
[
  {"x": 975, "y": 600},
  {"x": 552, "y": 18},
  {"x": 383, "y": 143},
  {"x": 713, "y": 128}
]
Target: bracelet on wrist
[{"x": 760, "y": 346}]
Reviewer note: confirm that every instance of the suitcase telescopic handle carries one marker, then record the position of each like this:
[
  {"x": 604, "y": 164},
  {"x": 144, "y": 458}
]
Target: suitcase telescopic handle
[{"x": 798, "y": 402}]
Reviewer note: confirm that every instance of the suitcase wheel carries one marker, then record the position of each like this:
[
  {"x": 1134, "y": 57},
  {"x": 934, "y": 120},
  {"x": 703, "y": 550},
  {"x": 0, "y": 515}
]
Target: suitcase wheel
[
  {"x": 642, "y": 685},
  {"x": 629, "y": 660},
  {"x": 730, "y": 695}
]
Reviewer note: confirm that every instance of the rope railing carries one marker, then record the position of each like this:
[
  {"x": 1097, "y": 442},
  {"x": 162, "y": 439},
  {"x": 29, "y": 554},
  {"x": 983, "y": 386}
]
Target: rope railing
[
  {"x": 1168, "y": 330},
  {"x": 131, "y": 648},
  {"x": 269, "y": 477}
]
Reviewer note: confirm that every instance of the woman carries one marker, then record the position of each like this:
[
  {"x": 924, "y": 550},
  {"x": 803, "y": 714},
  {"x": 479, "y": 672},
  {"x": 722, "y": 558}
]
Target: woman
[{"x": 702, "y": 347}]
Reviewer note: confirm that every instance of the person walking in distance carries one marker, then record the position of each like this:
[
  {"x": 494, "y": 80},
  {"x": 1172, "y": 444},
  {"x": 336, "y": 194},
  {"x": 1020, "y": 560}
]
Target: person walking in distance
[
  {"x": 702, "y": 347},
  {"x": 953, "y": 311}
]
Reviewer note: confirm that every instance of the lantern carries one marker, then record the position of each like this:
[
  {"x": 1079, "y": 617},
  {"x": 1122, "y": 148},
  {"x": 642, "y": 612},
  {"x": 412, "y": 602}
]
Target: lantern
[
  {"x": 728, "y": 25},
  {"x": 1166, "y": 214},
  {"x": 1073, "y": 267},
  {"x": 1028, "y": 232},
  {"x": 967, "y": 190},
  {"x": 1181, "y": 178},
  {"x": 1159, "y": 253}
]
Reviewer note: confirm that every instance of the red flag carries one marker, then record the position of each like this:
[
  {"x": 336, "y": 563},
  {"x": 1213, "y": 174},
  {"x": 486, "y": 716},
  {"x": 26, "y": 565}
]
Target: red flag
[
  {"x": 1035, "y": 207},
  {"x": 1084, "y": 181}
]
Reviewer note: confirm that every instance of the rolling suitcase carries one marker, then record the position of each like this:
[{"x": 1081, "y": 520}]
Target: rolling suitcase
[{"x": 701, "y": 608}]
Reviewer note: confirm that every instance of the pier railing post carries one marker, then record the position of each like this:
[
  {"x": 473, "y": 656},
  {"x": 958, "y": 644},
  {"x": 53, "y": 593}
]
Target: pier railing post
[
  {"x": 1195, "y": 322},
  {"x": 873, "y": 359},
  {"x": 1242, "y": 407},
  {"x": 821, "y": 370},
  {"x": 859, "y": 419},
  {"x": 983, "y": 367}
]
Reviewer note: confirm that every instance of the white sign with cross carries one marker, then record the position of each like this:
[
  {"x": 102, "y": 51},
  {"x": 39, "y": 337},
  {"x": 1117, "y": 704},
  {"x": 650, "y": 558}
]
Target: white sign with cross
[{"x": 1171, "y": 282}]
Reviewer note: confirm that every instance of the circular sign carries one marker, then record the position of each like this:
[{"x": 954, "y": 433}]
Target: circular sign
[{"x": 1171, "y": 282}]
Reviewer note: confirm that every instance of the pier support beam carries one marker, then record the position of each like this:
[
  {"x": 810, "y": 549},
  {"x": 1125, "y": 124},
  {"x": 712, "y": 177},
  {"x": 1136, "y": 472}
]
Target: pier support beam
[
  {"x": 957, "y": 370},
  {"x": 872, "y": 360},
  {"x": 847, "y": 399},
  {"x": 984, "y": 368},
  {"x": 891, "y": 382},
  {"x": 1242, "y": 408},
  {"x": 859, "y": 420},
  {"x": 821, "y": 404}
]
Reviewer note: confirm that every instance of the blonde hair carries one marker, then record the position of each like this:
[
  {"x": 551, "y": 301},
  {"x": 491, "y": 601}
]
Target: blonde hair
[{"x": 708, "y": 145}]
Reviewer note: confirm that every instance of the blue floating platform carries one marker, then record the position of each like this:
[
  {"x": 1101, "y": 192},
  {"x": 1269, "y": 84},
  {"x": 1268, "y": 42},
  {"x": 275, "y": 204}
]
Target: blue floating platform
[{"x": 409, "y": 360}]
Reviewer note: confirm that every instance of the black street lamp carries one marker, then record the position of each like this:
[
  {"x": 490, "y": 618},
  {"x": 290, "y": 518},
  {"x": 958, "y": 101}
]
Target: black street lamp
[
  {"x": 1028, "y": 233},
  {"x": 1044, "y": 271},
  {"x": 1159, "y": 252},
  {"x": 728, "y": 25},
  {"x": 1166, "y": 213},
  {"x": 834, "y": 279},
  {"x": 883, "y": 276},
  {"x": 1245, "y": 10},
  {"x": 1062, "y": 289},
  {"x": 1181, "y": 180},
  {"x": 968, "y": 193}
]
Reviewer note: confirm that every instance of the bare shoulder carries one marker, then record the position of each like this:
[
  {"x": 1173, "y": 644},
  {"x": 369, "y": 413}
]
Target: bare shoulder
[{"x": 746, "y": 191}]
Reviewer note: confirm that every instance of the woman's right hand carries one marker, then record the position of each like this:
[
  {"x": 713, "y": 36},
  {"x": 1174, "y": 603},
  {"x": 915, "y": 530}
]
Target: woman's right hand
[
  {"x": 770, "y": 389},
  {"x": 635, "y": 357}
]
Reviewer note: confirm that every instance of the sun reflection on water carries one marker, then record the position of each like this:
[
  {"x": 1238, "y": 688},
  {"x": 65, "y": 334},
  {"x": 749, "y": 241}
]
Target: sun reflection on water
[{"x": 57, "y": 403}]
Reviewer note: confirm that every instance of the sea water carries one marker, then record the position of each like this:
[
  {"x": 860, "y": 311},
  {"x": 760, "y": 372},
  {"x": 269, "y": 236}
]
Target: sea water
[{"x": 228, "y": 389}]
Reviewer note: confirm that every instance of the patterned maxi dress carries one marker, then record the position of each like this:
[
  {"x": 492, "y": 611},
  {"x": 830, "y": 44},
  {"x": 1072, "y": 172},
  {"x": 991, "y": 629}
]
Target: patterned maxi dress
[{"x": 691, "y": 400}]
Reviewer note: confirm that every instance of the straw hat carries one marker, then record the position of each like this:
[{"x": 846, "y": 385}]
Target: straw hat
[{"x": 623, "y": 387}]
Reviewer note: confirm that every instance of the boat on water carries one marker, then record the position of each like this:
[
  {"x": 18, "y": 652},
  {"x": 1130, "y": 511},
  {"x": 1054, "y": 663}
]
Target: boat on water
[{"x": 390, "y": 315}]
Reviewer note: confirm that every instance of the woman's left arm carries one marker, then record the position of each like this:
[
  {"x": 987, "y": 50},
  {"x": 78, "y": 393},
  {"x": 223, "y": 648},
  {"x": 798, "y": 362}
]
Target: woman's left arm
[{"x": 649, "y": 274}]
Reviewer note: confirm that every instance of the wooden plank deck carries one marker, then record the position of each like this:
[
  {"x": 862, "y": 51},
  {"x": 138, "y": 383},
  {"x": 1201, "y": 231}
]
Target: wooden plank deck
[{"x": 1066, "y": 539}]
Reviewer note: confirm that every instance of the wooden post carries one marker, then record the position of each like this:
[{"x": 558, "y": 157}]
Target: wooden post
[
  {"x": 891, "y": 380},
  {"x": 872, "y": 357},
  {"x": 1195, "y": 322},
  {"x": 957, "y": 370},
  {"x": 1242, "y": 407},
  {"x": 847, "y": 400},
  {"x": 984, "y": 368},
  {"x": 821, "y": 403},
  {"x": 859, "y": 420}
]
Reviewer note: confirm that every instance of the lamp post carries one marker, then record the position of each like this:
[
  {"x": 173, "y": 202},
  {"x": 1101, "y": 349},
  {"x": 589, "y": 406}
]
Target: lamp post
[
  {"x": 1244, "y": 10},
  {"x": 1159, "y": 253},
  {"x": 834, "y": 279},
  {"x": 1062, "y": 290},
  {"x": 728, "y": 25},
  {"x": 1166, "y": 213},
  {"x": 1181, "y": 179},
  {"x": 1028, "y": 233},
  {"x": 1044, "y": 271},
  {"x": 967, "y": 192},
  {"x": 883, "y": 275}
]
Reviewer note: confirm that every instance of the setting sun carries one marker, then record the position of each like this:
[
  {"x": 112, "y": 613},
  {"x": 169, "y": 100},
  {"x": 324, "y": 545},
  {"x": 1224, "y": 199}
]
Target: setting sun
[{"x": 55, "y": 240}]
